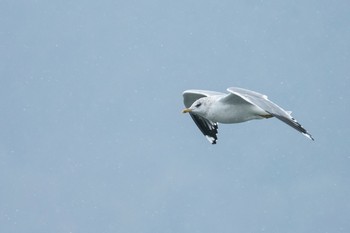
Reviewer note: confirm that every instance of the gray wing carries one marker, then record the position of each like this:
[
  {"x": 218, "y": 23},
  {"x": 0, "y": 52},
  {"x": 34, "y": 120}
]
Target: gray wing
[
  {"x": 264, "y": 103},
  {"x": 207, "y": 127},
  {"x": 192, "y": 95}
]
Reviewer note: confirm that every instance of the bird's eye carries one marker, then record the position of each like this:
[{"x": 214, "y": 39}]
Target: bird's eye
[{"x": 198, "y": 105}]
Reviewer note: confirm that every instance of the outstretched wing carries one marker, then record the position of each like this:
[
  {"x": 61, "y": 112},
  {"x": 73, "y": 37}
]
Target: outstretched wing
[
  {"x": 264, "y": 103},
  {"x": 207, "y": 127}
]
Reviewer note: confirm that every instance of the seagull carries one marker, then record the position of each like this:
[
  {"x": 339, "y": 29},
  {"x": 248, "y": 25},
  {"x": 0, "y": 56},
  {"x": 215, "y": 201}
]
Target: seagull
[{"x": 208, "y": 108}]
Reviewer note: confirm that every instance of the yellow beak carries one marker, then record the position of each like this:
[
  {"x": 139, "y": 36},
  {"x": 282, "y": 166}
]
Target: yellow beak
[{"x": 186, "y": 110}]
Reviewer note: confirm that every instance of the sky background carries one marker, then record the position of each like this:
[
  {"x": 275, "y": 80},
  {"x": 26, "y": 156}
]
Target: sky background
[{"x": 92, "y": 137}]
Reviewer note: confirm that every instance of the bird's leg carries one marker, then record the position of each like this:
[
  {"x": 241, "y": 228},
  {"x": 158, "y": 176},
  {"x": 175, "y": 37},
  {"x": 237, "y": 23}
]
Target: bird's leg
[{"x": 267, "y": 116}]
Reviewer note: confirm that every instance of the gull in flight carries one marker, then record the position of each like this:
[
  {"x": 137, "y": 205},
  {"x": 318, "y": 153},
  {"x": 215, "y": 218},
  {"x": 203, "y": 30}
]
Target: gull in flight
[{"x": 208, "y": 108}]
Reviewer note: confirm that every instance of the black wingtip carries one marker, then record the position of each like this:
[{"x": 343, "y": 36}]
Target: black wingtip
[
  {"x": 211, "y": 139},
  {"x": 208, "y": 128},
  {"x": 306, "y": 134}
]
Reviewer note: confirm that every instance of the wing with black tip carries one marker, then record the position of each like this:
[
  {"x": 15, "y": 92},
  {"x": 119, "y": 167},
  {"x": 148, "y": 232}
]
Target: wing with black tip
[
  {"x": 207, "y": 127},
  {"x": 264, "y": 103}
]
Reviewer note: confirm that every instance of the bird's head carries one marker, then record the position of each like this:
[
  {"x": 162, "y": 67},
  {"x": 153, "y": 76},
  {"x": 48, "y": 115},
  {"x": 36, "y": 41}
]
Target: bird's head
[{"x": 199, "y": 107}]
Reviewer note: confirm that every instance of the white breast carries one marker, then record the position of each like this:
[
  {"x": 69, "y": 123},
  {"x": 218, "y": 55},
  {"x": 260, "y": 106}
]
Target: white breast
[{"x": 225, "y": 113}]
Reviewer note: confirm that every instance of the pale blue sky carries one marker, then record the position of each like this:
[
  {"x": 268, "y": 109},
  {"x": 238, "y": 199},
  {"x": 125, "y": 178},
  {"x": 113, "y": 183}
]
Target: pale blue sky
[{"x": 92, "y": 137}]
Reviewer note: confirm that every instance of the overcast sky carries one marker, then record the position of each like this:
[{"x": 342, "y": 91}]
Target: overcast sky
[{"x": 92, "y": 138}]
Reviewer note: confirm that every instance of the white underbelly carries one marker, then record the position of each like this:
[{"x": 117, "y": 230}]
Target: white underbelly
[{"x": 236, "y": 113}]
